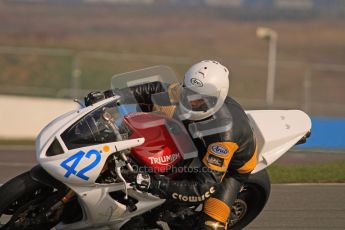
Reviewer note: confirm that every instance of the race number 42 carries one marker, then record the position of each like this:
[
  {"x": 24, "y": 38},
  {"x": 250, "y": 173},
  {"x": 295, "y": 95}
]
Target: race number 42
[{"x": 71, "y": 163}]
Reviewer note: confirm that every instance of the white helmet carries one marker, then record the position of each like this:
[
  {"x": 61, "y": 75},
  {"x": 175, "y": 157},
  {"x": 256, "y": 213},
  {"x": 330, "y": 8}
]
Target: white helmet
[{"x": 208, "y": 80}]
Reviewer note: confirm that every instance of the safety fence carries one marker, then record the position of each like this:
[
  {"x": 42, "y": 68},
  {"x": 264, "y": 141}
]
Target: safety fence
[{"x": 316, "y": 88}]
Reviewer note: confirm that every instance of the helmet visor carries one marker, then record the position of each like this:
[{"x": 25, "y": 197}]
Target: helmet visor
[
  {"x": 197, "y": 106},
  {"x": 194, "y": 101}
]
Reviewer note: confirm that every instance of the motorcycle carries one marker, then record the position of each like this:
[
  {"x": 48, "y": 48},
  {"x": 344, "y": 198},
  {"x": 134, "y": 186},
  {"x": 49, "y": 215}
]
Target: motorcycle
[{"x": 84, "y": 154}]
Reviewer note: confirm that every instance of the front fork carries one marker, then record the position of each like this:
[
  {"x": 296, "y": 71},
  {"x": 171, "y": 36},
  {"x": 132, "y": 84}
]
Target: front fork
[
  {"x": 57, "y": 208},
  {"x": 38, "y": 174}
]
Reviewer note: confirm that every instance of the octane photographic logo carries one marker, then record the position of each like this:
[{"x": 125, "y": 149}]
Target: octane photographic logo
[
  {"x": 196, "y": 82},
  {"x": 164, "y": 160},
  {"x": 218, "y": 149}
]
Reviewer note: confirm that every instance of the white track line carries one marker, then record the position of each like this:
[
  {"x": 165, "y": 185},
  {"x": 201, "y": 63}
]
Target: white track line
[{"x": 312, "y": 184}]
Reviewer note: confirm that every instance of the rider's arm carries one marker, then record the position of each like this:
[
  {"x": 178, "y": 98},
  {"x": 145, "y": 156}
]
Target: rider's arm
[
  {"x": 243, "y": 162},
  {"x": 141, "y": 94},
  {"x": 195, "y": 187}
]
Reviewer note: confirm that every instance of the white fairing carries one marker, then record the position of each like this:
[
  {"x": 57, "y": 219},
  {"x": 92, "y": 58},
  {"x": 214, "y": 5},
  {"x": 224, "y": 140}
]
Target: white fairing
[
  {"x": 58, "y": 125},
  {"x": 276, "y": 132},
  {"x": 100, "y": 210},
  {"x": 53, "y": 164}
]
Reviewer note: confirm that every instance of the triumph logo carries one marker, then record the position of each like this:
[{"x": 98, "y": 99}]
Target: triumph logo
[
  {"x": 207, "y": 194},
  {"x": 164, "y": 160},
  {"x": 220, "y": 150},
  {"x": 196, "y": 82}
]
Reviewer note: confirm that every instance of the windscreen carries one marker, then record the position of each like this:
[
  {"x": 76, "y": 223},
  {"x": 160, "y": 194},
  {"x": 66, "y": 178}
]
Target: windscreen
[
  {"x": 161, "y": 74},
  {"x": 102, "y": 125}
]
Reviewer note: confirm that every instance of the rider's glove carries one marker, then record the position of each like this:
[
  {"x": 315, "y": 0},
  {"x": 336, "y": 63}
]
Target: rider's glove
[
  {"x": 143, "y": 182},
  {"x": 146, "y": 183}
]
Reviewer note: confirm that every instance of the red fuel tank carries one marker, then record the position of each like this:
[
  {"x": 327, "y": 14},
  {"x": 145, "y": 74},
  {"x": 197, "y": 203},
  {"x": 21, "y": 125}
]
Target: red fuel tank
[{"x": 164, "y": 140}]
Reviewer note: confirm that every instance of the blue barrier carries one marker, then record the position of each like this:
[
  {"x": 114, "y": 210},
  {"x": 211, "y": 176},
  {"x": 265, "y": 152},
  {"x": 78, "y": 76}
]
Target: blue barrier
[{"x": 326, "y": 133}]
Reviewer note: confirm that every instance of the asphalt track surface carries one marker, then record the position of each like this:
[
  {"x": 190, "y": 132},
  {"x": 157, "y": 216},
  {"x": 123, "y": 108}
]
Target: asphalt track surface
[{"x": 294, "y": 206}]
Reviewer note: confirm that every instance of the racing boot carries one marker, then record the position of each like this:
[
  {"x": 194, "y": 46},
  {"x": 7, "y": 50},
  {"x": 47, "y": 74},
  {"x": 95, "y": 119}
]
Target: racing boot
[{"x": 216, "y": 214}]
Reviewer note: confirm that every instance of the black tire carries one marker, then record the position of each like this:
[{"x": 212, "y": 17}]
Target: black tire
[
  {"x": 19, "y": 195},
  {"x": 254, "y": 196}
]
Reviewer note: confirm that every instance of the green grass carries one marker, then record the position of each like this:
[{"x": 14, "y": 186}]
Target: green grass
[
  {"x": 333, "y": 172},
  {"x": 38, "y": 75}
]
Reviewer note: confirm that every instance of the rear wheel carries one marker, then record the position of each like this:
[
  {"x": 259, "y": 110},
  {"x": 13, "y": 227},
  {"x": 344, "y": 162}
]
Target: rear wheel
[
  {"x": 24, "y": 204},
  {"x": 251, "y": 200}
]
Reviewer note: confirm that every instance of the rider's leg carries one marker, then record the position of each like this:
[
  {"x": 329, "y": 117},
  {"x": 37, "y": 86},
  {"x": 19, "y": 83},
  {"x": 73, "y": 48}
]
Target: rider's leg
[{"x": 217, "y": 208}]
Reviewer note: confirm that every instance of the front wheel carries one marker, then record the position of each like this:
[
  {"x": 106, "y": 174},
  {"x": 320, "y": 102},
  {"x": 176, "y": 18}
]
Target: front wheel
[{"x": 24, "y": 204}]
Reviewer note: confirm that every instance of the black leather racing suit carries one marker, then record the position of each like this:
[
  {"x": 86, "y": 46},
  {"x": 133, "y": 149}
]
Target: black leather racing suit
[{"x": 228, "y": 155}]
